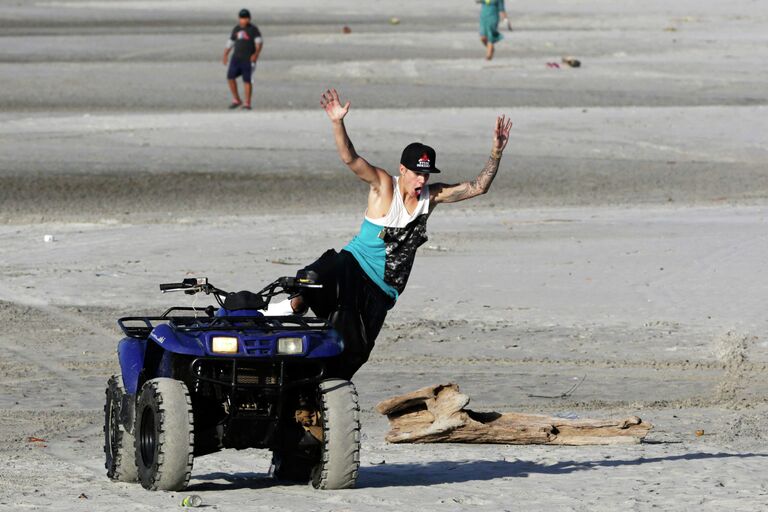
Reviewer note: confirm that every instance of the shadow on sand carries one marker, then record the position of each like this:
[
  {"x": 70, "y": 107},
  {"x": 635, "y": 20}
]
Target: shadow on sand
[
  {"x": 449, "y": 472},
  {"x": 446, "y": 472},
  {"x": 231, "y": 481}
]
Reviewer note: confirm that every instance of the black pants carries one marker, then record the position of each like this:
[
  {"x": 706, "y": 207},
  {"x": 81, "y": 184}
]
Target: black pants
[{"x": 353, "y": 303}]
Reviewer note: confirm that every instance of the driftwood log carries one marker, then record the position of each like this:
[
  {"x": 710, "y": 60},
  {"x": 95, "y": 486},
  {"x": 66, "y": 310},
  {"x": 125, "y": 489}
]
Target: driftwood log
[{"x": 437, "y": 414}]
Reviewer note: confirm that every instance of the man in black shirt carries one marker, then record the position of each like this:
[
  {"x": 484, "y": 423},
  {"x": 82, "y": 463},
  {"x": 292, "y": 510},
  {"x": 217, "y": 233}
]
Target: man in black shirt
[{"x": 247, "y": 43}]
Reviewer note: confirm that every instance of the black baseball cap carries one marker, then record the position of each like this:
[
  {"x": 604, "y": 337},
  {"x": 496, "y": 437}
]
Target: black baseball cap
[
  {"x": 419, "y": 157},
  {"x": 244, "y": 13}
]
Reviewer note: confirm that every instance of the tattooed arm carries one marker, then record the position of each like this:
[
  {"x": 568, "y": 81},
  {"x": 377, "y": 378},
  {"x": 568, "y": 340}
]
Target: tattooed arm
[{"x": 443, "y": 193}]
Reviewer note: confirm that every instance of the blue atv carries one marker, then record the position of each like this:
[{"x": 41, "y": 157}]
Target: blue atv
[{"x": 195, "y": 381}]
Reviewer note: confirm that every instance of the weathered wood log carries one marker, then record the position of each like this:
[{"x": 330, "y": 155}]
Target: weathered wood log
[{"x": 437, "y": 414}]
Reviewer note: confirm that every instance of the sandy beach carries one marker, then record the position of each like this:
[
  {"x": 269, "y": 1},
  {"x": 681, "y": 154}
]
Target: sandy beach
[{"x": 621, "y": 245}]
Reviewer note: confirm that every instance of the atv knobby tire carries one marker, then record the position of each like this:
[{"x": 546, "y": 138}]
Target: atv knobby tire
[
  {"x": 118, "y": 442},
  {"x": 340, "y": 453},
  {"x": 164, "y": 435}
]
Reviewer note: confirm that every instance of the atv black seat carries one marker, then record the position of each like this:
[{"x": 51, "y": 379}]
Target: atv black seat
[{"x": 237, "y": 301}]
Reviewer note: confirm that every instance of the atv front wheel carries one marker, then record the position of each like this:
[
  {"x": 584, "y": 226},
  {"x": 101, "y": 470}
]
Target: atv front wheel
[
  {"x": 118, "y": 442},
  {"x": 340, "y": 456},
  {"x": 164, "y": 435}
]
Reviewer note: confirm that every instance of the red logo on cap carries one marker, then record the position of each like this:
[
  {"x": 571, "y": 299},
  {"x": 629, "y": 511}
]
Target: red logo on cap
[{"x": 423, "y": 161}]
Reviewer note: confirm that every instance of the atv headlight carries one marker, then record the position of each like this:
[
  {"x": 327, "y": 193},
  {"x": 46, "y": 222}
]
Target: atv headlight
[
  {"x": 224, "y": 344},
  {"x": 290, "y": 346}
]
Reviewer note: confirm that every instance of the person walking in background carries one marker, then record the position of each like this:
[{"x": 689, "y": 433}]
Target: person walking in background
[
  {"x": 489, "y": 25},
  {"x": 245, "y": 43},
  {"x": 503, "y": 18}
]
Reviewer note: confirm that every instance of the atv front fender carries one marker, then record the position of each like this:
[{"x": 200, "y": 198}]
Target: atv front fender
[
  {"x": 130, "y": 353},
  {"x": 177, "y": 342}
]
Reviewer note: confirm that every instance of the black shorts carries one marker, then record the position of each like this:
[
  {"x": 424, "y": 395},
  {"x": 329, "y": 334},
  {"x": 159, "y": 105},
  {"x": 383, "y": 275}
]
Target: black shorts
[
  {"x": 355, "y": 304},
  {"x": 241, "y": 68}
]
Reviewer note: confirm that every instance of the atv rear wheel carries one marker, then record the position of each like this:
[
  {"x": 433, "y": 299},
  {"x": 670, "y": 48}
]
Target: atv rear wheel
[
  {"x": 164, "y": 435},
  {"x": 340, "y": 452},
  {"x": 118, "y": 442}
]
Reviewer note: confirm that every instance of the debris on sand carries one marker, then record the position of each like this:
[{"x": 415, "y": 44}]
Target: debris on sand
[
  {"x": 193, "y": 501},
  {"x": 282, "y": 261},
  {"x": 437, "y": 414},
  {"x": 572, "y": 62},
  {"x": 346, "y": 30}
]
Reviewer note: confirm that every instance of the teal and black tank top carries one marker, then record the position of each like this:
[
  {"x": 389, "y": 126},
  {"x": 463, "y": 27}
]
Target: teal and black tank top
[{"x": 385, "y": 248}]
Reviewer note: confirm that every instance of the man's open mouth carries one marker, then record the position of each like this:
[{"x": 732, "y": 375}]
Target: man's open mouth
[{"x": 418, "y": 191}]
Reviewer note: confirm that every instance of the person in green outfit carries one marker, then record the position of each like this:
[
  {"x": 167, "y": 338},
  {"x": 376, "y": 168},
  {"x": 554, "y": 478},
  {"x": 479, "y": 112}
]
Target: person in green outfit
[{"x": 489, "y": 25}]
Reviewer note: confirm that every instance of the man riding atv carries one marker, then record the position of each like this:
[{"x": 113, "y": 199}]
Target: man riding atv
[
  {"x": 195, "y": 381},
  {"x": 367, "y": 276}
]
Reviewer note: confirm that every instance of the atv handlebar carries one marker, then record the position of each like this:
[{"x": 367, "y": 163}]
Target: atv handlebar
[
  {"x": 287, "y": 285},
  {"x": 190, "y": 285},
  {"x": 173, "y": 287}
]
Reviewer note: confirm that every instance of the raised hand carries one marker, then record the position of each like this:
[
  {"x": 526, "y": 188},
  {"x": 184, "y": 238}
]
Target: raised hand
[
  {"x": 501, "y": 134},
  {"x": 332, "y": 104}
]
